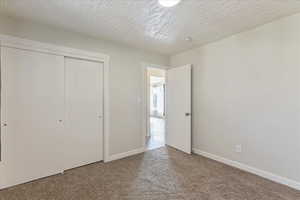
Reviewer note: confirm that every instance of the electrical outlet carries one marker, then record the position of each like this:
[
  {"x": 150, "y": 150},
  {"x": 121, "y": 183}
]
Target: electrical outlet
[{"x": 238, "y": 148}]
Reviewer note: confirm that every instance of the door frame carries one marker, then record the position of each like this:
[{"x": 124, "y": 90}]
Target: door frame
[
  {"x": 25, "y": 44},
  {"x": 144, "y": 100}
]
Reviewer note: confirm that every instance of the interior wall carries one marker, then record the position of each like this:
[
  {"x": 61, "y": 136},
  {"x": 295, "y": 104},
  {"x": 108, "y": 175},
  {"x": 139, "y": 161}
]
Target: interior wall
[
  {"x": 125, "y": 76},
  {"x": 246, "y": 91}
]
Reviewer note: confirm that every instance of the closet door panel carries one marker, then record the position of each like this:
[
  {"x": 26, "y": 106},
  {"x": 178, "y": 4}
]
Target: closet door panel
[
  {"x": 34, "y": 108},
  {"x": 84, "y": 108}
]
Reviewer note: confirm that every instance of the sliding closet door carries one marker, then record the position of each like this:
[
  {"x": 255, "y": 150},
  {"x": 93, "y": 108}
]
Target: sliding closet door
[
  {"x": 84, "y": 108},
  {"x": 32, "y": 114}
]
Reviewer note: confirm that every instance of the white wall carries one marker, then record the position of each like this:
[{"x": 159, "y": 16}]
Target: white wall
[
  {"x": 246, "y": 90},
  {"x": 125, "y": 76}
]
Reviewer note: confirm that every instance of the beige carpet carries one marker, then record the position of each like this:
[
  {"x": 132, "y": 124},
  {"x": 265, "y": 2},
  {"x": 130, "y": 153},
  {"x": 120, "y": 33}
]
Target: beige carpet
[{"x": 156, "y": 175}]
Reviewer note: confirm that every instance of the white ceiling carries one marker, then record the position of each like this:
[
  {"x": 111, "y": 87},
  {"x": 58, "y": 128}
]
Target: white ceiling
[{"x": 146, "y": 25}]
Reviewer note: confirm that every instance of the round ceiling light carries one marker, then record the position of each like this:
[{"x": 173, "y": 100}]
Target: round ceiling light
[{"x": 169, "y": 3}]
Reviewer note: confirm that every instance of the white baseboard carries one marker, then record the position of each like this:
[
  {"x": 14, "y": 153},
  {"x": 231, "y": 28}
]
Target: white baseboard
[
  {"x": 253, "y": 170},
  {"x": 125, "y": 154}
]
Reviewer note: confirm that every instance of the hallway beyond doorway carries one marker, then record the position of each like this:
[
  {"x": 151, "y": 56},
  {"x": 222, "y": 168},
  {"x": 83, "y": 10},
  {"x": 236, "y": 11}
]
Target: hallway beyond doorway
[
  {"x": 157, "y": 133},
  {"x": 156, "y": 96}
]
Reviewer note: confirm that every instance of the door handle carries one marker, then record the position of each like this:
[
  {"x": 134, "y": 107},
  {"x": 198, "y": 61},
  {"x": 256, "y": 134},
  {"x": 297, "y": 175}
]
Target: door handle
[{"x": 187, "y": 114}]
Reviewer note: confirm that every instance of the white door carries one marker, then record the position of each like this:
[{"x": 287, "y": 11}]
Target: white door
[
  {"x": 32, "y": 107},
  {"x": 179, "y": 108},
  {"x": 84, "y": 109}
]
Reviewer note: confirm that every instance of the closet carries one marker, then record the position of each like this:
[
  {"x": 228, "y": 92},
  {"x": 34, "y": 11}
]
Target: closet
[
  {"x": 51, "y": 114},
  {"x": 33, "y": 102},
  {"x": 84, "y": 112}
]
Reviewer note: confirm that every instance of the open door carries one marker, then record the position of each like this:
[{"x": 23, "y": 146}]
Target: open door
[{"x": 179, "y": 108}]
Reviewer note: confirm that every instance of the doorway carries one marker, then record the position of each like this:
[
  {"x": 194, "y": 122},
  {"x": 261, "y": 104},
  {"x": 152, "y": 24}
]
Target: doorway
[
  {"x": 166, "y": 102},
  {"x": 156, "y": 112}
]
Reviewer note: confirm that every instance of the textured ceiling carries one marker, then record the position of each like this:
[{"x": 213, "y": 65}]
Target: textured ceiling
[{"x": 146, "y": 25}]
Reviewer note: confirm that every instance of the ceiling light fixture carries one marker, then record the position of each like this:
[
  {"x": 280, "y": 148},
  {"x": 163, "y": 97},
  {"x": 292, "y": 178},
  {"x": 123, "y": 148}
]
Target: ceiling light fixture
[{"x": 169, "y": 3}]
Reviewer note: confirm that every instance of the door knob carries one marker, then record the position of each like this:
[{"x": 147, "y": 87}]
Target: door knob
[
  {"x": 4, "y": 124},
  {"x": 187, "y": 114}
]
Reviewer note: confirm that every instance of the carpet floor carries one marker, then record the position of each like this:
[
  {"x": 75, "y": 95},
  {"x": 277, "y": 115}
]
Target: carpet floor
[{"x": 161, "y": 174}]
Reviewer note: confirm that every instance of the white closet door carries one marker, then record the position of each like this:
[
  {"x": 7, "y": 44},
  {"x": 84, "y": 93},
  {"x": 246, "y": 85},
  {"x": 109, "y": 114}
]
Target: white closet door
[
  {"x": 84, "y": 104},
  {"x": 32, "y": 108}
]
